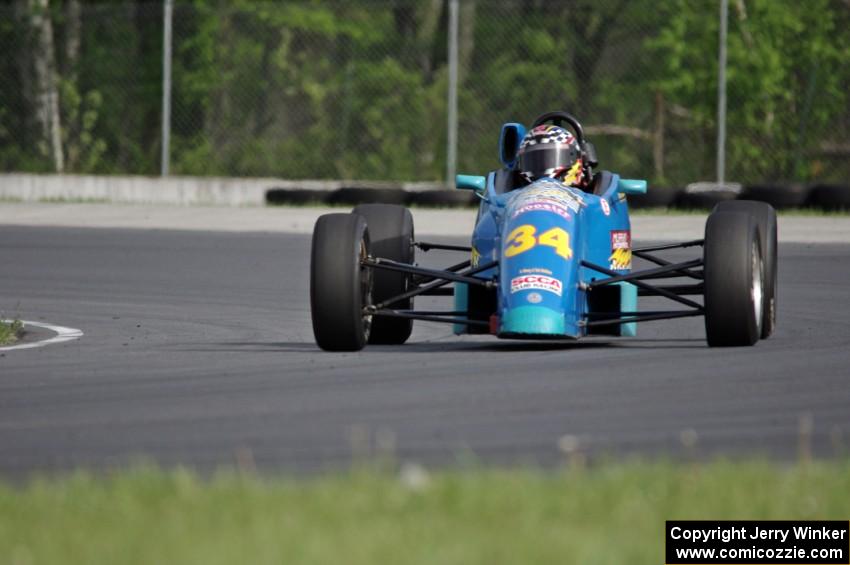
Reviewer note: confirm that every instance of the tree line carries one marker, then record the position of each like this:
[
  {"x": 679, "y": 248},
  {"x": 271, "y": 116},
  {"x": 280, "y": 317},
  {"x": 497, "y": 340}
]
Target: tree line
[{"x": 356, "y": 89}]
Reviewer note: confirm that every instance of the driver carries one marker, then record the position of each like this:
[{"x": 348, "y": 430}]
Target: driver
[{"x": 550, "y": 151}]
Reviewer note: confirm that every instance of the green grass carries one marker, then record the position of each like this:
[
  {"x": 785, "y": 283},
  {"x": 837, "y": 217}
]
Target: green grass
[
  {"x": 607, "y": 514},
  {"x": 10, "y": 331}
]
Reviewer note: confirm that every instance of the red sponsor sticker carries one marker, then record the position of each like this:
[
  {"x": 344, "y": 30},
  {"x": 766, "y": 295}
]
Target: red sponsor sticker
[
  {"x": 536, "y": 282},
  {"x": 621, "y": 239}
]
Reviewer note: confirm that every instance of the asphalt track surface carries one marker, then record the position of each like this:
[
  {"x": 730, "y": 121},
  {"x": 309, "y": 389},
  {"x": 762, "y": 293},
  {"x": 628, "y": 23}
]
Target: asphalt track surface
[{"x": 198, "y": 350}]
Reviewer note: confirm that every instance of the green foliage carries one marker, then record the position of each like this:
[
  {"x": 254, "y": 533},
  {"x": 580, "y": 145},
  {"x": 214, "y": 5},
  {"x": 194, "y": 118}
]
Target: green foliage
[
  {"x": 786, "y": 67},
  {"x": 357, "y": 89},
  {"x": 10, "y": 330},
  {"x": 84, "y": 149}
]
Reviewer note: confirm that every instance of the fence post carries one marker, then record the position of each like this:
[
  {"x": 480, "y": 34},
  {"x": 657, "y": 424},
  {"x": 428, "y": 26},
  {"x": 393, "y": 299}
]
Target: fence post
[
  {"x": 451, "y": 150},
  {"x": 721, "y": 94},
  {"x": 166, "y": 86}
]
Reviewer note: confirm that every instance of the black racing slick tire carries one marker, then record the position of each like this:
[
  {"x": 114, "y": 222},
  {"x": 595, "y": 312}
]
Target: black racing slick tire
[
  {"x": 779, "y": 195},
  {"x": 655, "y": 197},
  {"x": 734, "y": 279},
  {"x": 391, "y": 237},
  {"x": 765, "y": 217},
  {"x": 703, "y": 200},
  {"x": 830, "y": 197},
  {"x": 340, "y": 286},
  {"x": 284, "y": 196},
  {"x": 443, "y": 198}
]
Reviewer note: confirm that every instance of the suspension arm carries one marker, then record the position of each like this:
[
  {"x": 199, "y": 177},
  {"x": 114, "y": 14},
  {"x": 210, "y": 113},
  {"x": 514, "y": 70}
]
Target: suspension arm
[{"x": 635, "y": 277}]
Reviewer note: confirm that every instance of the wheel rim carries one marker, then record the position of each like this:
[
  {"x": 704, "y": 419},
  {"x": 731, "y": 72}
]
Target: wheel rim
[
  {"x": 365, "y": 290},
  {"x": 757, "y": 287}
]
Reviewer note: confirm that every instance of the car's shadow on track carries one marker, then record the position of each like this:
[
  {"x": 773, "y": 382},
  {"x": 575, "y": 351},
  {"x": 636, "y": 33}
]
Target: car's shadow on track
[
  {"x": 495, "y": 347},
  {"x": 459, "y": 346},
  {"x": 530, "y": 346},
  {"x": 252, "y": 347},
  {"x": 410, "y": 347},
  {"x": 662, "y": 343}
]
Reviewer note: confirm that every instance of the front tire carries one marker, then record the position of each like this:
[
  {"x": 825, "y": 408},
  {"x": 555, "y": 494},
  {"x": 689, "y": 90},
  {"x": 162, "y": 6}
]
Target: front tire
[
  {"x": 734, "y": 279},
  {"x": 391, "y": 237},
  {"x": 340, "y": 287},
  {"x": 765, "y": 217}
]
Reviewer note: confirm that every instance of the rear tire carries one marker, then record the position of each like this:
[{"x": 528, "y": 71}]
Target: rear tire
[
  {"x": 339, "y": 286},
  {"x": 734, "y": 279},
  {"x": 391, "y": 237},
  {"x": 765, "y": 217}
]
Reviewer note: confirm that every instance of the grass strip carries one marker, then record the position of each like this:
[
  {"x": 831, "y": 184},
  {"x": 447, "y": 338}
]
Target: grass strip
[
  {"x": 608, "y": 514},
  {"x": 10, "y": 331}
]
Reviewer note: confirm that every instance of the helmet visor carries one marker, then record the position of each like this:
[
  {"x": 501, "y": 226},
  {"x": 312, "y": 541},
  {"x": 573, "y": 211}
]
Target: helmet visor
[{"x": 540, "y": 160}]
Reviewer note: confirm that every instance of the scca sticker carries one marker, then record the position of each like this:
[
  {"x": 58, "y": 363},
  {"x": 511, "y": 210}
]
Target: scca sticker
[
  {"x": 536, "y": 282},
  {"x": 606, "y": 208}
]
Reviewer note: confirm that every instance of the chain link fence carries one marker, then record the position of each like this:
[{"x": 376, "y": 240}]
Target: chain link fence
[{"x": 357, "y": 89}]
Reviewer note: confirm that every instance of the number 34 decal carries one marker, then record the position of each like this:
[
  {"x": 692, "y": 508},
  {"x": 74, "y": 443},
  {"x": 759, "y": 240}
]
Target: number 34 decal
[{"x": 522, "y": 238}]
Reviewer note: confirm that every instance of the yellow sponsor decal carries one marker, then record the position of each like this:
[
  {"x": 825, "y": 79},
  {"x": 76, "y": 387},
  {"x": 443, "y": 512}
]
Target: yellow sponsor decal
[
  {"x": 476, "y": 257},
  {"x": 573, "y": 174},
  {"x": 621, "y": 259}
]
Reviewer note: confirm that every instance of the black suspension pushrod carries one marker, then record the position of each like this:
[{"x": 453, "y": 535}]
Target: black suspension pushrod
[
  {"x": 663, "y": 262},
  {"x": 616, "y": 315},
  {"x": 428, "y": 318},
  {"x": 681, "y": 245},
  {"x": 431, "y": 286},
  {"x": 426, "y": 246},
  {"x": 679, "y": 289},
  {"x": 454, "y": 268},
  {"x": 389, "y": 265},
  {"x": 634, "y": 278},
  {"x": 647, "y": 318}
]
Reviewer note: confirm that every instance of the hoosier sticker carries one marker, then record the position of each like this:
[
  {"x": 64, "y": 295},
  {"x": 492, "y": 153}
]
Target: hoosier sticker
[
  {"x": 536, "y": 282},
  {"x": 542, "y": 207},
  {"x": 551, "y": 192}
]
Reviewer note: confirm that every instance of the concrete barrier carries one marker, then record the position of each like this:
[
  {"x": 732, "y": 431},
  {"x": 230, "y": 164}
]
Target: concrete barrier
[{"x": 217, "y": 191}]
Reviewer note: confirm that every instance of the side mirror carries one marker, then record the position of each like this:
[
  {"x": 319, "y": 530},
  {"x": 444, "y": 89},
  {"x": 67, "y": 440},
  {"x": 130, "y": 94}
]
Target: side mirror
[
  {"x": 471, "y": 182},
  {"x": 509, "y": 141},
  {"x": 631, "y": 186}
]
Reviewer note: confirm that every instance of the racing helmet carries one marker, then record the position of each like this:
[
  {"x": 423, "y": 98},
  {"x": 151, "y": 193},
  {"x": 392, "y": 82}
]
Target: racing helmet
[{"x": 550, "y": 151}]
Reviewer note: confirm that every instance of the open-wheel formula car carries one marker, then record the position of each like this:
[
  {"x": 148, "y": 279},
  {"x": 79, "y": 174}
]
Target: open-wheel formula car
[{"x": 547, "y": 260}]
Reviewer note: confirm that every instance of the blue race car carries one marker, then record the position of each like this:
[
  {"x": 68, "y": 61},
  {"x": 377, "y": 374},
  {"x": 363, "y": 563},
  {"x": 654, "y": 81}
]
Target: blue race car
[{"x": 550, "y": 258}]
